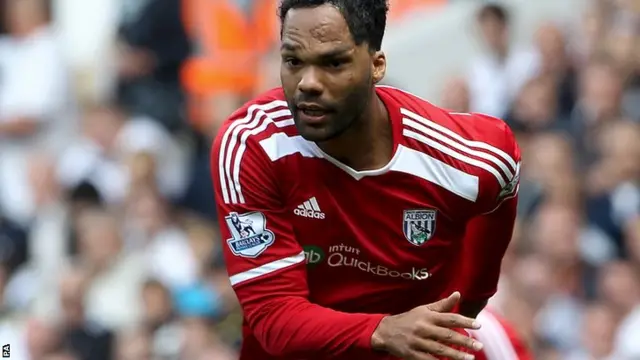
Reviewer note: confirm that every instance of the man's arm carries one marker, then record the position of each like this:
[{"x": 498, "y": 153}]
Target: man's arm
[
  {"x": 488, "y": 235},
  {"x": 486, "y": 241},
  {"x": 265, "y": 262}
]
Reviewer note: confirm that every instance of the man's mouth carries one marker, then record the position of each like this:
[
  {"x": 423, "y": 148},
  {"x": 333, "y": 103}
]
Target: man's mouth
[{"x": 314, "y": 112}]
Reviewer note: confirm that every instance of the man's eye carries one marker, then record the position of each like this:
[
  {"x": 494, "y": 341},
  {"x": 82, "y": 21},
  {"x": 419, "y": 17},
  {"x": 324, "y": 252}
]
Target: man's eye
[
  {"x": 335, "y": 64},
  {"x": 293, "y": 62}
]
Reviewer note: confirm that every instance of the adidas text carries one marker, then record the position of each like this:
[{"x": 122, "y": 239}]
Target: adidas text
[{"x": 309, "y": 213}]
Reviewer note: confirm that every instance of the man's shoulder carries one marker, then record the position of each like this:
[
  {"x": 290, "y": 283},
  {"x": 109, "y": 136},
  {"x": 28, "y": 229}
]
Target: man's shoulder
[
  {"x": 261, "y": 118},
  {"x": 484, "y": 128},
  {"x": 270, "y": 104},
  {"x": 462, "y": 144},
  {"x": 490, "y": 147},
  {"x": 467, "y": 129}
]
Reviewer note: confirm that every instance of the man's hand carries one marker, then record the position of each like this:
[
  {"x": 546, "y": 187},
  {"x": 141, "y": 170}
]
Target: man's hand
[{"x": 426, "y": 331}]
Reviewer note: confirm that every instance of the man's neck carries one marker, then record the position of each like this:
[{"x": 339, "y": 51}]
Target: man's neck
[
  {"x": 502, "y": 53},
  {"x": 368, "y": 143}
]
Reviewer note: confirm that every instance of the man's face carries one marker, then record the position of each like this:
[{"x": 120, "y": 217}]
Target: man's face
[
  {"x": 22, "y": 16},
  {"x": 494, "y": 32},
  {"x": 327, "y": 79}
]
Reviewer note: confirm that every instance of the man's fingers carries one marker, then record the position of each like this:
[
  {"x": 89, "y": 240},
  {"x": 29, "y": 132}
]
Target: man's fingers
[
  {"x": 445, "y": 305},
  {"x": 440, "y": 350},
  {"x": 455, "y": 321},
  {"x": 452, "y": 337}
]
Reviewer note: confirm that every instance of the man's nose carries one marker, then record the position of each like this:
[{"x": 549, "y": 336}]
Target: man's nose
[{"x": 311, "y": 81}]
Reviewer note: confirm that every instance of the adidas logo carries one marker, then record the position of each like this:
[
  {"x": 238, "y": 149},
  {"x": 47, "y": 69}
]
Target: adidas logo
[{"x": 309, "y": 209}]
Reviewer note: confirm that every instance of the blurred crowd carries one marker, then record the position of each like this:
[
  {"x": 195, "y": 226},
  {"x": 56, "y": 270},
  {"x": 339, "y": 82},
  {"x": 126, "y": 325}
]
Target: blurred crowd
[
  {"x": 571, "y": 279},
  {"x": 109, "y": 247}
]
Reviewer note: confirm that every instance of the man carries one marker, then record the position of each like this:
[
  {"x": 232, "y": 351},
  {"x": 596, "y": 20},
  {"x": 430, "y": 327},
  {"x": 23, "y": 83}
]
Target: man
[
  {"x": 36, "y": 105},
  {"x": 152, "y": 47},
  {"x": 335, "y": 170},
  {"x": 501, "y": 341},
  {"x": 497, "y": 75}
]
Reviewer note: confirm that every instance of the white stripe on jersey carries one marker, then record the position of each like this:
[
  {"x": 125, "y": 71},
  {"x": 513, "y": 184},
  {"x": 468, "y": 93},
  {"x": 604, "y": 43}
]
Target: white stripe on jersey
[
  {"x": 421, "y": 165},
  {"x": 444, "y": 139},
  {"x": 265, "y": 120},
  {"x": 279, "y": 145},
  {"x": 266, "y": 269},
  {"x": 255, "y": 114},
  {"x": 460, "y": 139},
  {"x": 477, "y": 144},
  {"x": 232, "y": 133},
  {"x": 469, "y": 143},
  {"x": 454, "y": 154},
  {"x": 406, "y": 160},
  {"x": 497, "y": 345}
]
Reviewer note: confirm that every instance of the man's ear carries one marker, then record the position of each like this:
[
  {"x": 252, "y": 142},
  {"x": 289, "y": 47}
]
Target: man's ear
[{"x": 379, "y": 64}]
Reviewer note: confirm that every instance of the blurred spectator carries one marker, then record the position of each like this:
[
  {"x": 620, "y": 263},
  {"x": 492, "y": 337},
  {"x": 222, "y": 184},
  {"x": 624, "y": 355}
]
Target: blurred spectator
[
  {"x": 134, "y": 345},
  {"x": 45, "y": 251},
  {"x": 557, "y": 64},
  {"x": 35, "y": 100},
  {"x": 536, "y": 107},
  {"x": 614, "y": 200},
  {"x": 593, "y": 28},
  {"x": 597, "y": 333},
  {"x": 160, "y": 320},
  {"x": 13, "y": 252},
  {"x": 598, "y": 103},
  {"x": 153, "y": 45},
  {"x": 152, "y": 229},
  {"x": 626, "y": 344},
  {"x": 116, "y": 275},
  {"x": 42, "y": 338},
  {"x": 108, "y": 155},
  {"x": 619, "y": 288},
  {"x": 456, "y": 95},
  {"x": 499, "y": 74},
  {"x": 231, "y": 37},
  {"x": 201, "y": 343},
  {"x": 84, "y": 339}
]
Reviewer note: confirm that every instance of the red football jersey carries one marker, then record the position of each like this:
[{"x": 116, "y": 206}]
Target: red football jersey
[
  {"x": 318, "y": 252},
  {"x": 500, "y": 340}
]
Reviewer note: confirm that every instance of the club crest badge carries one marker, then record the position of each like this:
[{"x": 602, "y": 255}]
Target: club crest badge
[
  {"x": 419, "y": 225},
  {"x": 249, "y": 234},
  {"x": 510, "y": 189}
]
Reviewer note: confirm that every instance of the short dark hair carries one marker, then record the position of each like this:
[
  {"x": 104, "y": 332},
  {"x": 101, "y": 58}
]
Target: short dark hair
[
  {"x": 366, "y": 19},
  {"x": 494, "y": 12},
  {"x": 85, "y": 192}
]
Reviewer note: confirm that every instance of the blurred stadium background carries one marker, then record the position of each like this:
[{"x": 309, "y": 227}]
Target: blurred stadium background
[{"x": 108, "y": 244}]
